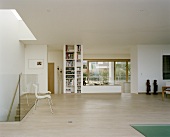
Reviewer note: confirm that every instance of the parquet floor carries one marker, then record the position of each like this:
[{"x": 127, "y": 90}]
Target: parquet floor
[{"x": 91, "y": 115}]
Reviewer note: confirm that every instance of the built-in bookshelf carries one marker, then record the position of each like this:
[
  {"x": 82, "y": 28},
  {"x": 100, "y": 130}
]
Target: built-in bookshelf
[
  {"x": 73, "y": 67},
  {"x": 79, "y": 68}
]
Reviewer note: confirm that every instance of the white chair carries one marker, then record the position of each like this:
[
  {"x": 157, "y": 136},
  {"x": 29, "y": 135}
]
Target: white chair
[
  {"x": 167, "y": 91},
  {"x": 45, "y": 96}
]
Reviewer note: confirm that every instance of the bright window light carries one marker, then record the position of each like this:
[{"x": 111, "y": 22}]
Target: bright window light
[{"x": 16, "y": 14}]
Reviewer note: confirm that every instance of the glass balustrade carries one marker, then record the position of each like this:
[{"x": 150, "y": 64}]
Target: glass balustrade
[{"x": 17, "y": 96}]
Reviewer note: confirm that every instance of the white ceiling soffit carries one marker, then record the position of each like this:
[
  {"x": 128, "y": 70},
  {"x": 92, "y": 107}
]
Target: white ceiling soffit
[
  {"x": 24, "y": 32},
  {"x": 102, "y": 26}
]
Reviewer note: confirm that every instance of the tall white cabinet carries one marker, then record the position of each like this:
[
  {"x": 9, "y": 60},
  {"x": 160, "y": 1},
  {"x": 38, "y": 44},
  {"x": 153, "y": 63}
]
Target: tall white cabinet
[{"x": 73, "y": 68}]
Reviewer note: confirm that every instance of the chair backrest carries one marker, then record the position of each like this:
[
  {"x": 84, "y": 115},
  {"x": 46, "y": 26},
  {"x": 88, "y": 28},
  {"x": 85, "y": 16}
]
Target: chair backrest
[
  {"x": 35, "y": 90},
  {"x": 167, "y": 83}
]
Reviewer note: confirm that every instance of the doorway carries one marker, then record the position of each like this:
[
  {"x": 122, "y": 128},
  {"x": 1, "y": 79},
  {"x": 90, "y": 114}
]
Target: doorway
[{"x": 51, "y": 77}]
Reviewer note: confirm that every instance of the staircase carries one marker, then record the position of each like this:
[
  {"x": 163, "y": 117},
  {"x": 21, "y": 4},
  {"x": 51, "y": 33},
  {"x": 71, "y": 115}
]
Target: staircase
[{"x": 26, "y": 103}]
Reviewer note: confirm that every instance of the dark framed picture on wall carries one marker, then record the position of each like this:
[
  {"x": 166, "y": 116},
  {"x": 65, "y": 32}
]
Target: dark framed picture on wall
[
  {"x": 35, "y": 63},
  {"x": 166, "y": 67}
]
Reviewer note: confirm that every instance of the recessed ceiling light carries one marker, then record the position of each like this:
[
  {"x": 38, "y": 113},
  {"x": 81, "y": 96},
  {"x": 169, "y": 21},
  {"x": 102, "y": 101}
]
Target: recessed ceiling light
[{"x": 48, "y": 10}]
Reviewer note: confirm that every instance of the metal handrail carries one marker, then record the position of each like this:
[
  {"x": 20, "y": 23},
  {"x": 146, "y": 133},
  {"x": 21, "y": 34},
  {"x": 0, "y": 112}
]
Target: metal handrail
[{"x": 9, "y": 113}]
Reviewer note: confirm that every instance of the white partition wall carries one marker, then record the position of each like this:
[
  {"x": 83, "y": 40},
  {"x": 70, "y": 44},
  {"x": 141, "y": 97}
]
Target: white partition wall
[
  {"x": 36, "y": 63},
  {"x": 146, "y": 63},
  {"x": 150, "y": 65},
  {"x": 11, "y": 60},
  {"x": 134, "y": 70}
]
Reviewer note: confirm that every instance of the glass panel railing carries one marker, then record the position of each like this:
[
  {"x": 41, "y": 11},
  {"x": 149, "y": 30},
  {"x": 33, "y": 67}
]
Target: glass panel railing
[
  {"x": 27, "y": 95},
  {"x": 16, "y": 96}
]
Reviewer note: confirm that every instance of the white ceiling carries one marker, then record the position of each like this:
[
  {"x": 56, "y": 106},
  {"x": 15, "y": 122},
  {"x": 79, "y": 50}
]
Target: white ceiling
[{"x": 102, "y": 26}]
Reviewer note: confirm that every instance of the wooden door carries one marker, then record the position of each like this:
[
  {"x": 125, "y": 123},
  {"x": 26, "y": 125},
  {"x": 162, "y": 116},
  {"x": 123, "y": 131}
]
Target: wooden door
[{"x": 51, "y": 77}]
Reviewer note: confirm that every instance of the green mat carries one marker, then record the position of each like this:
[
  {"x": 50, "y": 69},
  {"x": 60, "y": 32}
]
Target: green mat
[{"x": 156, "y": 130}]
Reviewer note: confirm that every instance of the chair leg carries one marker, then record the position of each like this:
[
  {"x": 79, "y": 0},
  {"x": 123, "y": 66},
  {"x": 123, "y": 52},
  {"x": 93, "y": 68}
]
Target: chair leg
[
  {"x": 27, "y": 99},
  {"x": 49, "y": 101},
  {"x": 36, "y": 101}
]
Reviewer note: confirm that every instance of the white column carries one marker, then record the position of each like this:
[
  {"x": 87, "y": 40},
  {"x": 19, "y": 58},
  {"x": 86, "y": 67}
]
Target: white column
[{"x": 111, "y": 73}]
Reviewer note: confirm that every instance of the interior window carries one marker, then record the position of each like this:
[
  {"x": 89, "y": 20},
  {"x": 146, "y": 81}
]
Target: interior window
[
  {"x": 99, "y": 73},
  {"x": 105, "y": 72},
  {"x": 120, "y": 72}
]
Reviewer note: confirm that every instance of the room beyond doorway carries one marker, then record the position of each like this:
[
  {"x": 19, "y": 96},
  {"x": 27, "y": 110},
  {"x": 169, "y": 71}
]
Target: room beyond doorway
[{"x": 51, "y": 77}]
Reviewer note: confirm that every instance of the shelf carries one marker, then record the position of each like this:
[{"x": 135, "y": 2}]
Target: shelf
[
  {"x": 72, "y": 68},
  {"x": 70, "y": 52},
  {"x": 70, "y": 59}
]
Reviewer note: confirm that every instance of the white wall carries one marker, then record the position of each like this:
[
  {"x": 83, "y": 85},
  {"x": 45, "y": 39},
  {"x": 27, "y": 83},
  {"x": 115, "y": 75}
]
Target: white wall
[
  {"x": 37, "y": 52},
  {"x": 134, "y": 69},
  {"x": 11, "y": 60},
  {"x": 150, "y": 65},
  {"x": 12, "y": 51},
  {"x": 101, "y": 89},
  {"x": 106, "y": 56},
  {"x": 56, "y": 57}
]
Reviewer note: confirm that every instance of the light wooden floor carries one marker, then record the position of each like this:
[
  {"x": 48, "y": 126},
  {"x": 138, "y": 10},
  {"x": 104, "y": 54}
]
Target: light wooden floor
[{"x": 91, "y": 115}]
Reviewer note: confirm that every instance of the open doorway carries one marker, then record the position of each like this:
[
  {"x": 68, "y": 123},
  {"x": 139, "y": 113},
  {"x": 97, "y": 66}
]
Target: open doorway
[{"x": 51, "y": 77}]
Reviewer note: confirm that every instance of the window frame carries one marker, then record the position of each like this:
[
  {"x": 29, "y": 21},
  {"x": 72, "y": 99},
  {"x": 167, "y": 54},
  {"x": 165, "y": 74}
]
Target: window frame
[{"x": 108, "y": 60}]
